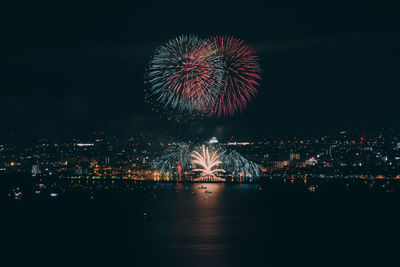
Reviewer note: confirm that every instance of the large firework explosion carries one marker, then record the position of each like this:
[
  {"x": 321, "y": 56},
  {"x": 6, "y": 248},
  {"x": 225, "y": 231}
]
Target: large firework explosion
[
  {"x": 240, "y": 75},
  {"x": 185, "y": 74},
  {"x": 183, "y": 158},
  {"x": 202, "y": 77}
]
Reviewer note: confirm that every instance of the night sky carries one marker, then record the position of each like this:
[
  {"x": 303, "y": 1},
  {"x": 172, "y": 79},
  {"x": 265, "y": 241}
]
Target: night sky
[{"x": 70, "y": 69}]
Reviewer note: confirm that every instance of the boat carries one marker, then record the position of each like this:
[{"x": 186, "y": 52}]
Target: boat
[
  {"x": 202, "y": 187},
  {"x": 18, "y": 195},
  {"x": 208, "y": 191}
]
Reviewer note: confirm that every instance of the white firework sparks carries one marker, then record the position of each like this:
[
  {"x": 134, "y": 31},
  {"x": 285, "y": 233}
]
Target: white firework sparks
[
  {"x": 209, "y": 165},
  {"x": 174, "y": 155},
  {"x": 186, "y": 156},
  {"x": 238, "y": 166}
]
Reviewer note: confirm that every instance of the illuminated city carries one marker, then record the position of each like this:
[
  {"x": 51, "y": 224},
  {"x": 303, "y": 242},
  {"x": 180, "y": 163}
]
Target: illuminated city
[{"x": 347, "y": 154}]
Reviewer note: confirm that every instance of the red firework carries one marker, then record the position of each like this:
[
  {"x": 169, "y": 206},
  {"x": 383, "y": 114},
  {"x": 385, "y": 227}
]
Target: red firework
[
  {"x": 192, "y": 77},
  {"x": 241, "y": 75},
  {"x": 200, "y": 75}
]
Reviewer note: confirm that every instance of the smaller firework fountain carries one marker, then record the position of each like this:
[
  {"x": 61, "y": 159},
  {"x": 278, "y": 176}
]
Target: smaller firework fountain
[
  {"x": 181, "y": 160},
  {"x": 209, "y": 166},
  {"x": 238, "y": 166},
  {"x": 174, "y": 160}
]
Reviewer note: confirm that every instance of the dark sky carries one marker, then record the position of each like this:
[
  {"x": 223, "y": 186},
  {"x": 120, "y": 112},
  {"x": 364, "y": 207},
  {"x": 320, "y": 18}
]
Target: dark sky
[{"x": 69, "y": 69}]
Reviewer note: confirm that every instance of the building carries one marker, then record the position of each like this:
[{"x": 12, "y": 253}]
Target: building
[
  {"x": 282, "y": 164},
  {"x": 35, "y": 170},
  {"x": 213, "y": 140}
]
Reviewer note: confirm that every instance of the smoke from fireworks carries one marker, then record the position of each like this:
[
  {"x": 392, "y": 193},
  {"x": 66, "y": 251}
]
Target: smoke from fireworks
[{"x": 197, "y": 77}]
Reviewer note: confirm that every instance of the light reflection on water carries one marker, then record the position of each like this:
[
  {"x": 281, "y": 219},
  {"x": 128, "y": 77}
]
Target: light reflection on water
[
  {"x": 235, "y": 225},
  {"x": 200, "y": 225}
]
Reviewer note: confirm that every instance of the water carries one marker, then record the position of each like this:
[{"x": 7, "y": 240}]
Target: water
[{"x": 146, "y": 224}]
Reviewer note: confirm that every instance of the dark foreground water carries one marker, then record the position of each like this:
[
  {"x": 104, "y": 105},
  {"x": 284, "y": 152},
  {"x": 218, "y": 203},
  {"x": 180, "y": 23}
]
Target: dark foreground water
[{"x": 283, "y": 224}]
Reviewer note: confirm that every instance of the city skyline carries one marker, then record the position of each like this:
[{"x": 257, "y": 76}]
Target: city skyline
[{"x": 347, "y": 154}]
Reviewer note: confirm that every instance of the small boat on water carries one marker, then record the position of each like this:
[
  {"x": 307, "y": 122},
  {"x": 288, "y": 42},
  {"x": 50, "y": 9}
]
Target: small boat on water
[
  {"x": 208, "y": 191},
  {"x": 202, "y": 187},
  {"x": 18, "y": 195}
]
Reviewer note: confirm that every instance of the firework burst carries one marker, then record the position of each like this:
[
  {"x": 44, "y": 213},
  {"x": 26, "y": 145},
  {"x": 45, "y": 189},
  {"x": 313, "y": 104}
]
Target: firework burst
[
  {"x": 182, "y": 158},
  {"x": 189, "y": 77},
  {"x": 184, "y": 74},
  {"x": 238, "y": 166},
  {"x": 174, "y": 159},
  {"x": 240, "y": 75},
  {"x": 208, "y": 165}
]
